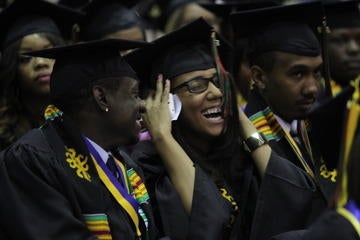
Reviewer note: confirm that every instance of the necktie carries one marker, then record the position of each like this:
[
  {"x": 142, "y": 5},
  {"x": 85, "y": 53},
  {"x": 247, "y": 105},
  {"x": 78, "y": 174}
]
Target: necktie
[
  {"x": 296, "y": 128},
  {"x": 112, "y": 167}
]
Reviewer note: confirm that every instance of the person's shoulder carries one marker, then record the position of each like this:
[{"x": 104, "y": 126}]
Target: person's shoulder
[
  {"x": 331, "y": 225},
  {"x": 28, "y": 155},
  {"x": 31, "y": 144},
  {"x": 33, "y": 139},
  {"x": 143, "y": 150},
  {"x": 146, "y": 156}
]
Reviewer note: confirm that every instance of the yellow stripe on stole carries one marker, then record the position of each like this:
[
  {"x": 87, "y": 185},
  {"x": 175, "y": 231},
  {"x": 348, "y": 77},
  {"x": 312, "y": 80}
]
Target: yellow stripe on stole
[
  {"x": 260, "y": 121},
  {"x": 104, "y": 237},
  {"x": 99, "y": 228},
  {"x": 119, "y": 198},
  {"x": 97, "y": 222}
]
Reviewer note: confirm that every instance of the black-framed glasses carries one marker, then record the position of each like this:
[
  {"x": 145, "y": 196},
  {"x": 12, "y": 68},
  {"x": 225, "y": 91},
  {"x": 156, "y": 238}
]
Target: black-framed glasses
[{"x": 197, "y": 84}]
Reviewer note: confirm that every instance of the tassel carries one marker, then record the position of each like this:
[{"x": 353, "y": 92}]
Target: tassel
[{"x": 224, "y": 78}]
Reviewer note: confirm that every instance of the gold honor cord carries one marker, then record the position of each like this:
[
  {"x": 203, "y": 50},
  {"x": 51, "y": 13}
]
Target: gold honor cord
[
  {"x": 298, "y": 152},
  {"x": 351, "y": 122},
  {"x": 119, "y": 197}
]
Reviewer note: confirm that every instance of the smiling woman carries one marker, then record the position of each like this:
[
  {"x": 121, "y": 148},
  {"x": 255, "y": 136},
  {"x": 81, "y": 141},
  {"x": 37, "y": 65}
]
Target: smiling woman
[
  {"x": 25, "y": 80},
  {"x": 195, "y": 163}
]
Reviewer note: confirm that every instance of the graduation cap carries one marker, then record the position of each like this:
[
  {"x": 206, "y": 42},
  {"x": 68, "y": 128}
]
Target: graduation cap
[
  {"x": 105, "y": 17},
  {"x": 78, "y": 65},
  {"x": 24, "y": 17},
  {"x": 343, "y": 14},
  {"x": 327, "y": 121},
  {"x": 289, "y": 28},
  {"x": 77, "y": 4},
  {"x": 184, "y": 50},
  {"x": 223, "y": 9}
]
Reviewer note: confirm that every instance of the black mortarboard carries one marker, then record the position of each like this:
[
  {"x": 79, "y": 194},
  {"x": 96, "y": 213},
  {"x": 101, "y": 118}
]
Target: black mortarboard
[
  {"x": 105, "y": 17},
  {"x": 24, "y": 17},
  {"x": 327, "y": 121},
  {"x": 78, "y": 65},
  {"x": 77, "y": 4},
  {"x": 223, "y": 9},
  {"x": 343, "y": 14},
  {"x": 287, "y": 28},
  {"x": 184, "y": 50}
]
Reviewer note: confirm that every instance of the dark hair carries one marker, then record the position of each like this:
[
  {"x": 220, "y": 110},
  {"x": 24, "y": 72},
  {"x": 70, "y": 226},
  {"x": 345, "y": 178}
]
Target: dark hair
[
  {"x": 84, "y": 97},
  {"x": 11, "y": 107},
  {"x": 354, "y": 171},
  {"x": 266, "y": 61}
]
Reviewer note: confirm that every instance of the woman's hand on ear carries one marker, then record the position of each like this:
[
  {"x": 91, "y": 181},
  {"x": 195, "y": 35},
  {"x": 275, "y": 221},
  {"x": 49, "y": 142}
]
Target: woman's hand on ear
[{"x": 157, "y": 116}]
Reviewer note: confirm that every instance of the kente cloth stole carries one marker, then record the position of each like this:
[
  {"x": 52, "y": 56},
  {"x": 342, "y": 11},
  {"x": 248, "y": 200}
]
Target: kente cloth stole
[
  {"x": 98, "y": 224},
  {"x": 351, "y": 212},
  {"x": 265, "y": 122},
  {"x": 129, "y": 196}
]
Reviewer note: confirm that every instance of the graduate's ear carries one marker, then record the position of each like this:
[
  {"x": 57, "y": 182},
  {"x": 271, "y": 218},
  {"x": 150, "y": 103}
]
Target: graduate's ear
[
  {"x": 101, "y": 98},
  {"x": 258, "y": 76}
]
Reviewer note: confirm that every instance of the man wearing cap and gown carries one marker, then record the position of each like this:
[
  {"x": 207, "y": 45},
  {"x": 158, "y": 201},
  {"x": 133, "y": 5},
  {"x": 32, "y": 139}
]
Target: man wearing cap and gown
[
  {"x": 69, "y": 179},
  {"x": 341, "y": 221},
  {"x": 343, "y": 42},
  {"x": 286, "y": 64}
]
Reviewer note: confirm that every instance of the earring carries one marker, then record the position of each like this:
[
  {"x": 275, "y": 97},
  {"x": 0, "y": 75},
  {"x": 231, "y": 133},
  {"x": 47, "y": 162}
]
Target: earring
[{"x": 107, "y": 109}]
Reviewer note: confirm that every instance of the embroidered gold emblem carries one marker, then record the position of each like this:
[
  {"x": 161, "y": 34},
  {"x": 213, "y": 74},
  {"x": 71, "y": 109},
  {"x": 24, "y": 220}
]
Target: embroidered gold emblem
[
  {"x": 78, "y": 162},
  {"x": 224, "y": 194},
  {"x": 325, "y": 173}
]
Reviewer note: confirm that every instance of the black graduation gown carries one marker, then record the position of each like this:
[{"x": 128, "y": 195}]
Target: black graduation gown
[
  {"x": 289, "y": 199},
  {"x": 330, "y": 226},
  {"x": 42, "y": 197},
  {"x": 210, "y": 212}
]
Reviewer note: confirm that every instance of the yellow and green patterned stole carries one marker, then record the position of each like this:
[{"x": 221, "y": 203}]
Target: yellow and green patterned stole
[
  {"x": 98, "y": 224},
  {"x": 265, "y": 122},
  {"x": 129, "y": 195}
]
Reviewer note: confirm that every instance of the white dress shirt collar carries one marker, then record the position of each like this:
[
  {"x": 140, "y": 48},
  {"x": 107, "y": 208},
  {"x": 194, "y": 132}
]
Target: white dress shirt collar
[{"x": 103, "y": 154}]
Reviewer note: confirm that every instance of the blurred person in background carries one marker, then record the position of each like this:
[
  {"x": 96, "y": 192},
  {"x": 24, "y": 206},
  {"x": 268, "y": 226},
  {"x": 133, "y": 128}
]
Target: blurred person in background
[{"x": 25, "y": 80}]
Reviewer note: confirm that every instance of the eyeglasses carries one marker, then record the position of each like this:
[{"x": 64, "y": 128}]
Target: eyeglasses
[{"x": 197, "y": 84}]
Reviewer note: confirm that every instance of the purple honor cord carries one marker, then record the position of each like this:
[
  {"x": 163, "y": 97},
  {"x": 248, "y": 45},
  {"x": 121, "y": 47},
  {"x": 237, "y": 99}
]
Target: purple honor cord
[
  {"x": 353, "y": 208},
  {"x": 122, "y": 189}
]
